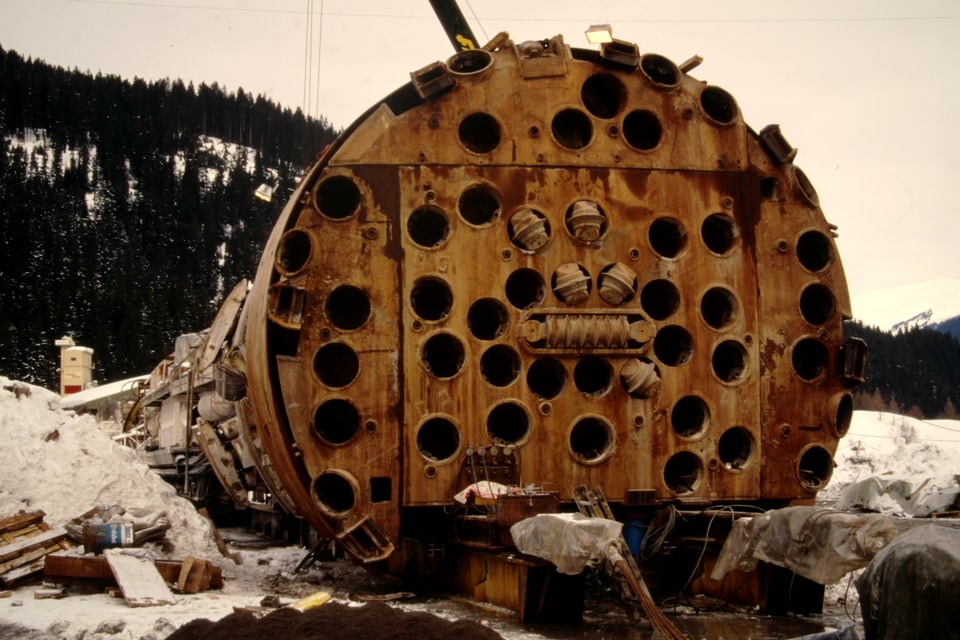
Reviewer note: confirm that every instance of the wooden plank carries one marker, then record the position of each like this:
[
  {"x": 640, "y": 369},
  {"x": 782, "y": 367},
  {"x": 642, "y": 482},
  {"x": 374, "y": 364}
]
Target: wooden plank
[
  {"x": 14, "y": 576},
  {"x": 139, "y": 579},
  {"x": 30, "y": 530},
  {"x": 25, "y": 557},
  {"x": 184, "y": 573},
  {"x": 191, "y": 575},
  {"x": 48, "y": 592},
  {"x": 25, "y": 544},
  {"x": 20, "y": 521},
  {"x": 57, "y": 568},
  {"x": 209, "y": 570}
]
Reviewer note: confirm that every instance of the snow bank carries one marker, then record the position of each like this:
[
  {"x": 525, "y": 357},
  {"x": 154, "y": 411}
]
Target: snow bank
[
  {"x": 925, "y": 454},
  {"x": 62, "y": 464}
]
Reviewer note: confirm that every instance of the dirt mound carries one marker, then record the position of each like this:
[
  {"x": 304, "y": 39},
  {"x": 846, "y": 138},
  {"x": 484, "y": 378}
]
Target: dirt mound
[{"x": 335, "y": 621}]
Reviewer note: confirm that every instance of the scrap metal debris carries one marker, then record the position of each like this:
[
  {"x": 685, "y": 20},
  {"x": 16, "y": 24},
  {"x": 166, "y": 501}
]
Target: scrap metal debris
[{"x": 114, "y": 526}]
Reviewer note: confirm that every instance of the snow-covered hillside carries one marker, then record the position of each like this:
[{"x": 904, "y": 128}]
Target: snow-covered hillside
[{"x": 216, "y": 157}]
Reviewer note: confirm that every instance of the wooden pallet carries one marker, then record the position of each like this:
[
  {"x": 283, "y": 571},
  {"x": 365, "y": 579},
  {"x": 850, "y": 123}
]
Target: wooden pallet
[{"x": 25, "y": 539}]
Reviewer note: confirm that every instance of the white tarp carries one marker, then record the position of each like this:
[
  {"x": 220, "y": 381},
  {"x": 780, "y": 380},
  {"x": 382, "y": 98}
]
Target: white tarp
[
  {"x": 900, "y": 496},
  {"x": 572, "y": 541},
  {"x": 816, "y": 543}
]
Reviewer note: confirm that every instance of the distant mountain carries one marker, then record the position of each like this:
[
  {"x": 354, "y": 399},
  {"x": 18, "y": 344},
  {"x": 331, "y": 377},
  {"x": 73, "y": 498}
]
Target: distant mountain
[
  {"x": 934, "y": 304},
  {"x": 951, "y": 326},
  {"x": 913, "y": 334}
]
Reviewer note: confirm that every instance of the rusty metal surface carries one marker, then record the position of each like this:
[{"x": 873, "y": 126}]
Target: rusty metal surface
[{"x": 588, "y": 260}]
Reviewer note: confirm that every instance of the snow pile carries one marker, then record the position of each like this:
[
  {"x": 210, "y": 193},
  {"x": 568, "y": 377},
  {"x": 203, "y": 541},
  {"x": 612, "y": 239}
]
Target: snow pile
[
  {"x": 922, "y": 454},
  {"x": 64, "y": 465}
]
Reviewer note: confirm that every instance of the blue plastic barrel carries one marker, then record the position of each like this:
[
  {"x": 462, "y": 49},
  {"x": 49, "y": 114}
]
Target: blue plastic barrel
[{"x": 633, "y": 532}]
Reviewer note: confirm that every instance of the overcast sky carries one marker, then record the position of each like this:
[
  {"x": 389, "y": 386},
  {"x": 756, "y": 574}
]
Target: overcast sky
[{"x": 866, "y": 90}]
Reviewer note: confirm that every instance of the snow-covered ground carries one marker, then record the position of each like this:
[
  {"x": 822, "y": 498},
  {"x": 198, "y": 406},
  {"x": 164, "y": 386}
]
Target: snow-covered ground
[
  {"x": 63, "y": 464},
  {"x": 887, "y": 445}
]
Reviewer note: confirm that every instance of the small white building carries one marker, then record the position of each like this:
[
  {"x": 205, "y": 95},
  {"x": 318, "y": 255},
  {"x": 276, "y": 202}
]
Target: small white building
[{"x": 76, "y": 366}]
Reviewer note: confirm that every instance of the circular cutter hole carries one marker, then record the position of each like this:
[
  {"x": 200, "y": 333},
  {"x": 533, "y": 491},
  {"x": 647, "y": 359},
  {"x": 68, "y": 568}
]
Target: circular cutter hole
[
  {"x": 718, "y": 104},
  {"x": 730, "y": 361},
  {"x": 814, "y": 250},
  {"x": 591, "y": 439},
  {"x": 479, "y": 205},
  {"x": 810, "y": 358},
  {"x": 719, "y": 233},
  {"x": 844, "y": 414},
  {"x": 572, "y": 129},
  {"x": 690, "y": 416},
  {"x": 603, "y": 95},
  {"x": 438, "y": 439},
  {"x": 807, "y": 191},
  {"x": 718, "y": 306},
  {"x": 673, "y": 345},
  {"x": 735, "y": 448},
  {"x": 334, "y": 493},
  {"x": 479, "y": 132},
  {"x": 593, "y": 376},
  {"x": 660, "y": 299},
  {"x": 642, "y": 130},
  {"x": 336, "y": 421},
  {"x": 347, "y": 307},
  {"x": 508, "y": 422},
  {"x": 546, "y": 377},
  {"x": 294, "y": 251},
  {"x": 487, "y": 319},
  {"x": 667, "y": 237},
  {"x": 428, "y": 227},
  {"x": 443, "y": 355},
  {"x": 815, "y": 468},
  {"x": 682, "y": 472},
  {"x": 660, "y": 70},
  {"x": 431, "y": 298},
  {"x": 500, "y": 365},
  {"x": 337, "y": 197},
  {"x": 336, "y": 364},
  {"x": 525, "y": 288},
  {"x": 470, "y": 61},
  {"x": 817, "y": 304}
]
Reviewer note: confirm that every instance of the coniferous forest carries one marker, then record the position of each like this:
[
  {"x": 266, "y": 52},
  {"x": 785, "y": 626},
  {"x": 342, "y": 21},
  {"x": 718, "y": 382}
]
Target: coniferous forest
[
  {"x": 127, "y": 214},
  {"x": 127, "y": 210}
]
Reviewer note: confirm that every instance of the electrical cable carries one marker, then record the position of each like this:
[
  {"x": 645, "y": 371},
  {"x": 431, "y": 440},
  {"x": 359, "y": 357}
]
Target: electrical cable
[
  {"x": 486, "y": 38},
  {"x": 577, "y": 20},
  {"x": 307, "y": 45},
  {"x": 316, "y": 102}
]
